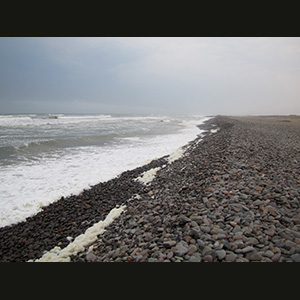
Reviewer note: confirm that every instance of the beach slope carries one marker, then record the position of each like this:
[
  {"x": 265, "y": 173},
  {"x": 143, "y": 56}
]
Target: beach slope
[{"x": 230, "y": 195}]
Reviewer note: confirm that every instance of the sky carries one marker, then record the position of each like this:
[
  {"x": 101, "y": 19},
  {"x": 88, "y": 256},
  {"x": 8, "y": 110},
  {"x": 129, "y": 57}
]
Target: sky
[{"x": 155, "y": 75}]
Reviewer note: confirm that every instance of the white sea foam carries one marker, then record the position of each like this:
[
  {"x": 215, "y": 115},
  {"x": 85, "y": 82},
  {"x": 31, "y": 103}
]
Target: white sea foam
[
  {"x": 148, "y": 176},
  {"x": 176, "y": 155},
  {"x": 214, "y": 130},
  {"x": 78, "y": 245},
  {"x": 28, "y": 186}
]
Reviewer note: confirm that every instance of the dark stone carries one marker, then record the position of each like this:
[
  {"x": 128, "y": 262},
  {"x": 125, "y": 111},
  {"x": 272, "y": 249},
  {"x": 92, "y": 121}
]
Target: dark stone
[
  {"x": 195, "y": 233},
  {"x": 296, "y": 257}
]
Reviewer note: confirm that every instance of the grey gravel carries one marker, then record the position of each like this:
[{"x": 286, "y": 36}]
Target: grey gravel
[{"x": 233, "y": 197}]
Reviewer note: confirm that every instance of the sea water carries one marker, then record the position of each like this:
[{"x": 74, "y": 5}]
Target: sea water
[{"x": 46, "y": 156}]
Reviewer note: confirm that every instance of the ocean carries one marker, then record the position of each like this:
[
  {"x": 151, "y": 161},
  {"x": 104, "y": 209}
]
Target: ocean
[{"x": 46, "y": 156}]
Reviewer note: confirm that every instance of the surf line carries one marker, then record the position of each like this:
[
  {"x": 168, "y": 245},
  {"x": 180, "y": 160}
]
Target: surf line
[
  {"x": 147, "y": 177},
  {"x": 91, "y": 234},
  {"x": 80, "y": 242}
]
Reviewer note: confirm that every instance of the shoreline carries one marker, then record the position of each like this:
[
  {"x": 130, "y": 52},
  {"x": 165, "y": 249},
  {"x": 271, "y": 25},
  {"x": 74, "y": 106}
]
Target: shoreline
[
  {"x": 221, "y": 201},
  {"x": 35, "y": 175},
  {"x": 63, "y": 220}
]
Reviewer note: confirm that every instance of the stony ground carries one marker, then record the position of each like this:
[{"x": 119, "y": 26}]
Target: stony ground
[
  {"x": 68, "y": 217},
  {"x": 234, "y": 196}
]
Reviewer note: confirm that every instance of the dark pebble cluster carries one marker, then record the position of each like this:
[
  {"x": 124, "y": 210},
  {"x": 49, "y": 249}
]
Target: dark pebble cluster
[{"x": 233, "y": 197}]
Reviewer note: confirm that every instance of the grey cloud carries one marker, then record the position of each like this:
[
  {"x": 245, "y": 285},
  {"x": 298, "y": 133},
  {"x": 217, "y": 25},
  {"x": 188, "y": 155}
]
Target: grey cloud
[{"x": 150, "y": 75}]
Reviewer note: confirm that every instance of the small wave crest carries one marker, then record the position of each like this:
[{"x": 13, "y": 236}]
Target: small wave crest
[{"x": 48, "y": 119}]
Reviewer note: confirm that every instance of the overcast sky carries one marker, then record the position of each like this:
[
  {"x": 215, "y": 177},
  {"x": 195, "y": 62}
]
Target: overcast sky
[{"x": 186, "y": 75}]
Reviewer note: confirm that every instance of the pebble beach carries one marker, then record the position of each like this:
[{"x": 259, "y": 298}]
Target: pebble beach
[{"x": 231, "y": 195}]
